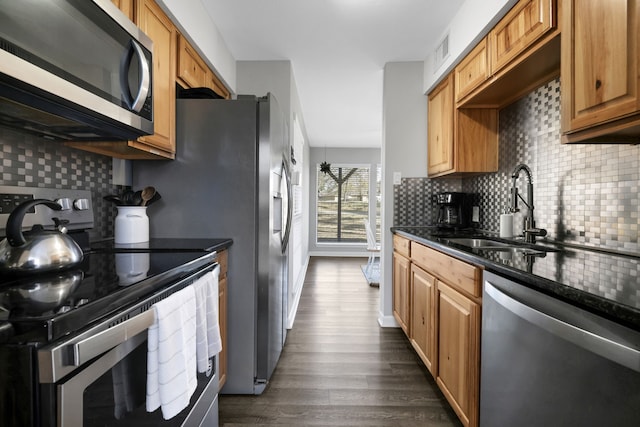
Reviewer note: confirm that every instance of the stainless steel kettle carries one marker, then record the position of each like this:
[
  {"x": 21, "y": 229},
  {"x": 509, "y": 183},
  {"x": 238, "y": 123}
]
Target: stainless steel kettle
[{"x": 37, "y": 250}]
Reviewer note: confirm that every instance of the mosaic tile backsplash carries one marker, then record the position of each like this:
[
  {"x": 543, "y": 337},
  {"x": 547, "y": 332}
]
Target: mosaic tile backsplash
[
  {"x": 585, "y": 194},
  {"x": 30, "y": 161}
]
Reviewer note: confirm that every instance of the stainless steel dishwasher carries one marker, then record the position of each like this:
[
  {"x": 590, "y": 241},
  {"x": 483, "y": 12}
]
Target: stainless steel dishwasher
[{"x": 548, "y": 363}]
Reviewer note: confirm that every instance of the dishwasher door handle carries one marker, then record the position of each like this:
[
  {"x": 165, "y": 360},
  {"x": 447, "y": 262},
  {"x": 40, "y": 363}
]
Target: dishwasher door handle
[
  {"x": 95, "y": 345},
  {"x": 606, "y": 347}
]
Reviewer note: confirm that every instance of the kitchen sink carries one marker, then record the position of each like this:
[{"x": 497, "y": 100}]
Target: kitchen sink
[
  {"x": 481, "y": 243},
  {"x": 497, "y": 245}
]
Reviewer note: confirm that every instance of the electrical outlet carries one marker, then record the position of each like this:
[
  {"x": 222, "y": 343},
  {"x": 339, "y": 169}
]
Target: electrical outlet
[
  {"x": 397, "y": 178},
  {"x": 475, "y": 214}
]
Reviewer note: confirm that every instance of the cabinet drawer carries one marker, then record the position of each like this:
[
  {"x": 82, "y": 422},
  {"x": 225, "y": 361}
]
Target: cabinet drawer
[
  {"x": 472, "y": 71},
  {"x": 456, "y": 273},
  {"x": 401, "y": 245}
]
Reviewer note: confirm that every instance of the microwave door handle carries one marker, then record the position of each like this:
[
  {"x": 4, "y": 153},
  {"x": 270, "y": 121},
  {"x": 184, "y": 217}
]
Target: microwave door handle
[
  {"x": 145, "y": 82},
  {"x": 95, "y": 345}
]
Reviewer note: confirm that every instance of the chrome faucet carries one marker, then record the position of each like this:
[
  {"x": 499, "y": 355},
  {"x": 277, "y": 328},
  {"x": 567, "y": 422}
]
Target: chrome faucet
[{"x": 529, "y": 230}]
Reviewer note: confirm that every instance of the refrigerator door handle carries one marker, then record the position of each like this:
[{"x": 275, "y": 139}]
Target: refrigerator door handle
[{"x": 287, "y": 203}]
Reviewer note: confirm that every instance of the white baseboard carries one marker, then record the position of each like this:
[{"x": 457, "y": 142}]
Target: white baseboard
[
  {"x": 339, "y": 254},
  {"x": 387, "y": 321},
  {"x": 299, "y": 284}
]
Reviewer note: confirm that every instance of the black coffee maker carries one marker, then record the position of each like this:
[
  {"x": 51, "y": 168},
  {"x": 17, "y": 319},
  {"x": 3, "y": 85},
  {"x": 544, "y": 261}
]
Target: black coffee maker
[{"x": 453, "y": 210}]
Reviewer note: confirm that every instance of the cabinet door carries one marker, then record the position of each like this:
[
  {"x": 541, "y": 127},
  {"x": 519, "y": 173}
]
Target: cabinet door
[
  {"x": 126, "y": 6},
  {"x": 401, "y": 270},
  {"x": 191, "y": 69},
  {"x": 599, "y": 61},
  {"x": 472, "y": 71},
  {"x": 423, "y": 318},
  {"x": 459, "y": 353},
  {"x": 440, "y": 144},
  {"x": 154, "y": 23},
  {"x": 214, "y": 83},
  {"x": 519, "y": 29},
  {"x": 222, "y": 316}
]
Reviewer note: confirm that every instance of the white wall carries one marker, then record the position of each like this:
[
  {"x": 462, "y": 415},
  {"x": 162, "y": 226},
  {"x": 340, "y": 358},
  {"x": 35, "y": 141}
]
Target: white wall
[
  {"x": 404, "y": 150},
  {"x": 362, "y": 156},
  {"x": 194, "y": 22},
  {"x": 259, "y": 78},
  {"x": 472, "y": 22}
]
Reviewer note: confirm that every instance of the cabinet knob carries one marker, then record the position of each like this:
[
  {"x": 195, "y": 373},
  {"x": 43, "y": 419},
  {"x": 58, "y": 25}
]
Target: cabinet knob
[{"x": 598, "y": 84}]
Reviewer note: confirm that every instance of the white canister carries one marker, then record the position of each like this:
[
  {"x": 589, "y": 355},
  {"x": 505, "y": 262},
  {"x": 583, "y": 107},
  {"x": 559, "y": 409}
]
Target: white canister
[
  {"x": 132, "y": 225},
  {"x": 506, "y": 225}
]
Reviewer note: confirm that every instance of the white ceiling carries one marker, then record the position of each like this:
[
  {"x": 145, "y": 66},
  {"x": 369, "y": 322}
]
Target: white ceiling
[{"x": 338, "y": 49}]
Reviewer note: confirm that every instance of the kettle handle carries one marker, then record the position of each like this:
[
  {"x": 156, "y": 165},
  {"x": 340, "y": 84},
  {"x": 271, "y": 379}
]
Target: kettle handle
[{"x": 14, "y": 223}]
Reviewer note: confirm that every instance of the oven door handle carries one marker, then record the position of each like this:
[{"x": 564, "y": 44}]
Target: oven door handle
[{"x": 95, "y": 345}]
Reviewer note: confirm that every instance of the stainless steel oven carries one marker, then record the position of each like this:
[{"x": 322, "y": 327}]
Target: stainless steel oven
[
  {"x": 73, "y": 343},
  {"x": 98, "y": 377}
]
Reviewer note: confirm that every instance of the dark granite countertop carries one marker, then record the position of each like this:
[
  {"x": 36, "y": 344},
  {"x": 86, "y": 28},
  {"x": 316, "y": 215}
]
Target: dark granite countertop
[
  {"x": 605, "y": 283},
  {"x": 164, "y": 245}
]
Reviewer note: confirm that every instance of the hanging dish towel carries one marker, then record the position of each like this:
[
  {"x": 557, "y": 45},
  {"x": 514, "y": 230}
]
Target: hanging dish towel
[
  {"x": 209, "y": 342},
  {"x": 171, "y": 357}
]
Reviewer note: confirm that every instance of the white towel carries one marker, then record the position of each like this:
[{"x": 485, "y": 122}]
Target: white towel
[
  {"x": 209, "y": 342},
  {"x": 171, "y": 358}
]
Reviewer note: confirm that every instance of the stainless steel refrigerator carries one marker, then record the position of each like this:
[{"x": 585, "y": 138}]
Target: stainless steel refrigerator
[{"x": 230, "y": 178}]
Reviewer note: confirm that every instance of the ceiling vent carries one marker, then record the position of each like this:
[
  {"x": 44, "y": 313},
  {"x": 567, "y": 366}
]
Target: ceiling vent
[{"x": 441, "y": 53}]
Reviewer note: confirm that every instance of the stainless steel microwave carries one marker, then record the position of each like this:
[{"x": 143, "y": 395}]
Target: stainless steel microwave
[{"x": 74, "y": 70}]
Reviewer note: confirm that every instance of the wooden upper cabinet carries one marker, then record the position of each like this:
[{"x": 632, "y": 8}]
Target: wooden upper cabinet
[
  {"x": 600, "y": 74},
  {"x": 440, "y": 130},
  {"x": 155, "y": 23},
  {"x": 192, "y": 71},
  {"x": 162, "y": 143},
  {"x": 472, "y": 71},
  {"x": 126, "y": 6},
  {"x": 520, "y": 28},
  {"x": 460, "y": 140},
  {"x": 522, "y": 52},
  {"x": 214, "y": 83}
]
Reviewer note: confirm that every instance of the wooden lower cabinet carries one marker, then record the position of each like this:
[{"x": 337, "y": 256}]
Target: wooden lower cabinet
[
  {"x": 222, "y": 316},
  {"x": 423, "y": 316},
  {"x": 458, "y": 370},
  {"x": 443, "y": 300},
  {"x": 401, "y": 266}
]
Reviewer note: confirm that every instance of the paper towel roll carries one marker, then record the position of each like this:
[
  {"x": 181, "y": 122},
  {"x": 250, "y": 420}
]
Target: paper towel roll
[{"x": 506, "y": 225}]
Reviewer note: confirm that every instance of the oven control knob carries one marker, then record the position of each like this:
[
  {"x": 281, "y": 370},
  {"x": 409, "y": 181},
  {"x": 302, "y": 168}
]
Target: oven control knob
[
  {"x": 81, "y": 204},
  {"x": 65, "y": 203}
]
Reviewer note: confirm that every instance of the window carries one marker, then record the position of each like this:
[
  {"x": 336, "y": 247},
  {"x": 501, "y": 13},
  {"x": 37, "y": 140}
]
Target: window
[{"x": 343, "y": 203}]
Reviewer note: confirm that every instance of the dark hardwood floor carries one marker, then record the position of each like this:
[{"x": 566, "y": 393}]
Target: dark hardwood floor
[{"x": 339, "y": 367}]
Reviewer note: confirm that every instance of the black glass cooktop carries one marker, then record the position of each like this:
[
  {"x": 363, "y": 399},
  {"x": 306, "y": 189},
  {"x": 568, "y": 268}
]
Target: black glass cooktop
[
  {"x": 47, "y": 306},
  {"x": 163, "y": 244}
]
